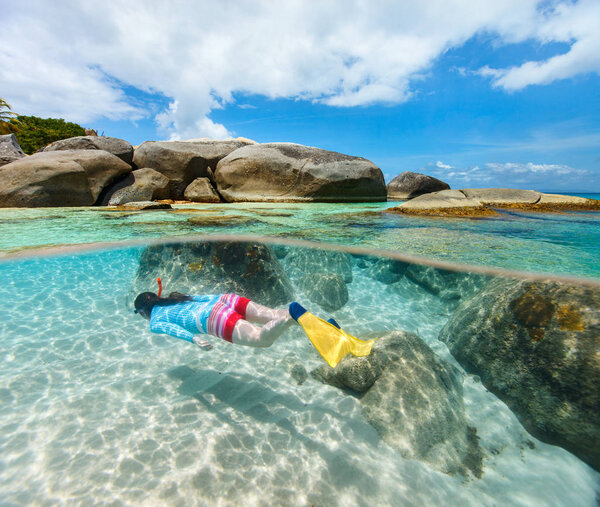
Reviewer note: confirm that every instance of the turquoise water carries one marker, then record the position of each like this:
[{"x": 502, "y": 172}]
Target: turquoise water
[
  {"x": 96, "y": 409},
  {"x": 566, "y": 243}
]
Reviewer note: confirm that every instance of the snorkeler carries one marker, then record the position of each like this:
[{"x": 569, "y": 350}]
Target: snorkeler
[{"x": 226, "y": 316}]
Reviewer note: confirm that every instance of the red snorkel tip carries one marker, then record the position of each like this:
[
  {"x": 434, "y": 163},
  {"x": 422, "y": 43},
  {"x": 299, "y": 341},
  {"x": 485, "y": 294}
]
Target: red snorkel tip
[{"x": 159, "y": 286}]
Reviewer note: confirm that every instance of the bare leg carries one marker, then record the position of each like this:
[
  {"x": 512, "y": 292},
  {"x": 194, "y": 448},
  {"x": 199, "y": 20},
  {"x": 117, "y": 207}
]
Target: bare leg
[
  {"x": 263, "y": 314},
  {"x": 245, "y": 333}
]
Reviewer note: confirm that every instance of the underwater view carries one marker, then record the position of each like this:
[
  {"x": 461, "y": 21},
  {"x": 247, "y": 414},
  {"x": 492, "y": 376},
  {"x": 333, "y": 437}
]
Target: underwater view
[{"x": 480, "y": 388}]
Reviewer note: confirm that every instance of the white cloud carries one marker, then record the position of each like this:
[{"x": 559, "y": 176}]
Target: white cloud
[
  {"x": 441, "y": 165},
  {"x": 514, "y": 175},
  {"x": 575, "y": 23},
  {"x": 56, "y": 57}
]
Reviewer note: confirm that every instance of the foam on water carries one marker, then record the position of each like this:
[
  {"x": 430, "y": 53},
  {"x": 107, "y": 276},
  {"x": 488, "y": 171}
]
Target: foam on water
[{"x": 96, "y": 409}]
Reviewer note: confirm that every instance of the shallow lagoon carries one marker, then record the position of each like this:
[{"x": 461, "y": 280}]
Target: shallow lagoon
[
  {"x": 566, "y": 243},
  {"x": 96, "y": 409}
]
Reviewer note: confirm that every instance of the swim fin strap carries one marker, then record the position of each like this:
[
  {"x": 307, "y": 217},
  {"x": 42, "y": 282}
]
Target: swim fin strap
[{"x": 331, "y": 342}]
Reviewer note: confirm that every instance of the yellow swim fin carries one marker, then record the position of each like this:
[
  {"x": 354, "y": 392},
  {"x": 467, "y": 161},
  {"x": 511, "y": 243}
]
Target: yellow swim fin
[{"x": 330, "y": 341}]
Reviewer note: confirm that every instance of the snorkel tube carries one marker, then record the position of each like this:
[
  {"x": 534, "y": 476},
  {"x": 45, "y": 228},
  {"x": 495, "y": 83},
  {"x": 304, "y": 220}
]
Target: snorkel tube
[{"x": 159, "y": 281}]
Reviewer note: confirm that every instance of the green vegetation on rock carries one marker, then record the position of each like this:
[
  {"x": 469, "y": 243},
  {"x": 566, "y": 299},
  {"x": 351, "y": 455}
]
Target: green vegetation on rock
[{"x": 34, "y": 133}]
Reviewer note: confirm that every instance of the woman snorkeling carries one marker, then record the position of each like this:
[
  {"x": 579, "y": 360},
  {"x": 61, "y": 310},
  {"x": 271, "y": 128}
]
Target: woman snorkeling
[{"x": 226, "y": 316}]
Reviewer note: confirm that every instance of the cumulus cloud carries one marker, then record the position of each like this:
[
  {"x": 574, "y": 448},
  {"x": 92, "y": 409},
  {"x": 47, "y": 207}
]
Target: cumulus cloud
[
  {"x": 68, "y": 58},
  {"x": 514, "y": 175},
  {"x": 441, "y": 165},
  {"x": 574, "y": 23}
]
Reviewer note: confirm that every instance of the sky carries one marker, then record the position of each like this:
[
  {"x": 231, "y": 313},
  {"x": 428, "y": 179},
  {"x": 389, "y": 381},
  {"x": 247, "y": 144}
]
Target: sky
[{"x": 478, "y": 93}]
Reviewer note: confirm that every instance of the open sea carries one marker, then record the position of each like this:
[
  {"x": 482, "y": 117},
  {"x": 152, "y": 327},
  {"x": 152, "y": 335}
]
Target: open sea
[{"x": 97, "y": 410}]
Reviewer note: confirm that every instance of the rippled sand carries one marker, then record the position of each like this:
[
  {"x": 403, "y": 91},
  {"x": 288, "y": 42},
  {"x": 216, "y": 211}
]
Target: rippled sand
[{"x": 96, "y": 409}]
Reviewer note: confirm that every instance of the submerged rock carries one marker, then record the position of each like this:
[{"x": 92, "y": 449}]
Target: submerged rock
[
  {"x": 414, "y": 400},
  {"x": 408, "y": 185},
  {"x": 59, "y": 178},
  {"x": 117, "y": 147},
  {"x": 144, "y": 205},
  {"x": 536, "y": 346},
  {"x": 328, "y": 290},
  {"x": 248, "y": 269},
  {"x": 386, "y": 271},
  {"x": 287, "y": 172},
  {"x": 448, "y": 285},
  {"x": 184, "y": 161},
  {"x": 9, "y": 149},
  {"x": 302, "y": 261}
]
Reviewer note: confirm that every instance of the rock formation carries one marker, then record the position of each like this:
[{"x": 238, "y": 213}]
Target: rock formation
[
  {"x": 414, "y": 400},
  {"x": 59, "y": 178},
  {"x": 9, "y": 149},
  {"x": 200, "y": 190},
  {"x": 248, "y": 269},
  {"x": 140, "y": 185},
  {"x": 118, "y": 147},
  {"x": 408, "y": 185},
  {"x": 286, "y": 172},
  {"x": 481, "y": 202},
  {"x": 536, "y": 346},
  {"x": 184, "y": 161}
]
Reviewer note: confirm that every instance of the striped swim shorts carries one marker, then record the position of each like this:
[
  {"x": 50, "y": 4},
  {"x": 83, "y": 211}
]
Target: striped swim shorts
[{"x": 223, "y": 316}]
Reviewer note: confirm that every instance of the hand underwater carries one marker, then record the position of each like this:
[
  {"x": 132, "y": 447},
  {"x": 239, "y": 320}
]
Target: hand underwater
[{"x": 203, "y": 344}]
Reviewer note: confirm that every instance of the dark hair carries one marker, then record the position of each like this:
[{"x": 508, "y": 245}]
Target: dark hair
[{"x": 145, "y": 301}]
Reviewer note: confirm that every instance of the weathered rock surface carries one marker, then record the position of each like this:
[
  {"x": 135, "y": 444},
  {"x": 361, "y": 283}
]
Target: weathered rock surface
[
  {"x": 302, "y": 261},
  {"x": 480, "y": 201},
  {"x": 140, "y": 185},
  {"x": 408, "y": 185},
  {"x": 414, "y": 400},
  {"x": 59, "y": 178},
  {"x": 328, "y": 290},
  {"x": 387, "y": 271},
  {"x": 495, "y": 196},
  {"x": 287, "y": 172},
  {"x": 536, "y": 345},
  {"x": 448, "y": 285},
  {"x": 117, "y": 147},
  {"x": 183, "y": 161},
  {"x": 200, "y": 190},
  {"x": 9, "y": 149},
  {"x": 451, "y": 203},
  {"x": 247, "y": 269}
]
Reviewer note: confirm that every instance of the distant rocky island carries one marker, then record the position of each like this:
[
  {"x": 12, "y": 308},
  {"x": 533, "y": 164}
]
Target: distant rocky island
[{"x": 105, "y": 171}]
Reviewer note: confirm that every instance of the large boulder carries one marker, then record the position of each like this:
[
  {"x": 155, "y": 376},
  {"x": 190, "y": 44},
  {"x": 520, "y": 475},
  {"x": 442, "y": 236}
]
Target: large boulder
[
  {"x": 502, "y": 196},
  {"x": 408, "y": 185},
  {"x": 328, "y": 290},
  {"x": 287, "y": 172},
  {"x": 247, "y": 269},
  {"x": 450, "y": 286},
  {"x": 117, "y": 147},
  {"x": 301, "y": 261},
  {"x": 9, "y": 149},
  {"x": 184, "y": 161},
  {"x": 140, "y": 185},
  {"x": 536, "y": 345},
  {"x": 446, "y": 203},
  {"x": 200, "y": 190},
  {"x": 59, "y": 178},
  {"x": 414, "y": 400}
]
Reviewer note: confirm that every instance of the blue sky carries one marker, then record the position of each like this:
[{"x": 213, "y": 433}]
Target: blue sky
[{"x": 476, "y": 93}]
